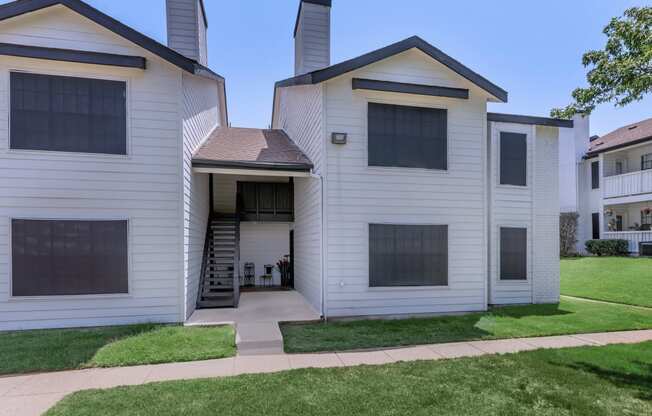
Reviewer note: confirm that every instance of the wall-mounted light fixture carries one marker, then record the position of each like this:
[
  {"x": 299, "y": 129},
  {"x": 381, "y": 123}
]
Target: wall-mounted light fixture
[{"x": 338, "y": 138}]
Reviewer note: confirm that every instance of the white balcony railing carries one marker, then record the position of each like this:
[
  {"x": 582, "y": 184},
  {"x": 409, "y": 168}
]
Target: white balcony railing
[
  {"x": 634, "y": 183},
  {"x": 634, "y": 238}
]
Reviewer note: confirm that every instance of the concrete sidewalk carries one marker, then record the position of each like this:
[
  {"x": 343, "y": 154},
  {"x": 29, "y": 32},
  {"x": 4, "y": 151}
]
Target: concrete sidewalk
[{"x": 34, "y": 394}]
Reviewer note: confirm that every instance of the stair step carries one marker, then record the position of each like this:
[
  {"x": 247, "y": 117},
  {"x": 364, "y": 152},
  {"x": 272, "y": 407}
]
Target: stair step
[
  {"x": 219, "y": 283},
  {"x": 217, "y": 296},
  {"x": 227, "y": 303}
]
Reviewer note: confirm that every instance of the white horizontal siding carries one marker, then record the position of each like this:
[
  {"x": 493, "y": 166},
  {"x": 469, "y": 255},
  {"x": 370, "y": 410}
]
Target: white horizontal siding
[
  {"x": 183, "y": 18},
  {"x": 511, "y": 206},
  {"x": 358, "y": 195},
  {"x": 201, "y": 115},
  {"x": 301, "y": 114},
  {"x": 143, "y": 187},
  {"x": 312, "y": 43}
]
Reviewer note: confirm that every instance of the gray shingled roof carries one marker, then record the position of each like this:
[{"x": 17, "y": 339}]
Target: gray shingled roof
[
  {"x": 625, "y": 136},
  {"x": 230, "y": 147}
]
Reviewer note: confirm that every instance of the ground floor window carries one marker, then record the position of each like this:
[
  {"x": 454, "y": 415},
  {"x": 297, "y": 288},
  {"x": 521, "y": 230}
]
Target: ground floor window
[
  {"x": 513, "y": 253},
  {"x": 595, "y": 223},
  {"x": 646, "y": 219},
  {"x": 408, "y": 255},
  {"x": 68, "y": 257}
]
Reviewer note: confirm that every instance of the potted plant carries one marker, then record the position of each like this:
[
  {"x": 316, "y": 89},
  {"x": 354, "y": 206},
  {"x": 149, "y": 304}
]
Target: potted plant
[{"x": 283, "y": 267}]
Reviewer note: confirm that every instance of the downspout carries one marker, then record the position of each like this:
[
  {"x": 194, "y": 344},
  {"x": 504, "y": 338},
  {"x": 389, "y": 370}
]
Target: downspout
[{"x": 322, "y": 248}]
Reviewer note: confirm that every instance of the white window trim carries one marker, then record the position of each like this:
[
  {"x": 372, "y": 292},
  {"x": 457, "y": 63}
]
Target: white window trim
[
  {"x": 128, "y": 295},
  {"x": 528, "y": 148},
  {"x": 67, "y": 154},
  {"x": 370, "y": 288},
  {"x": 528, "y": 256},
  {"x": 398, "y": 169}
]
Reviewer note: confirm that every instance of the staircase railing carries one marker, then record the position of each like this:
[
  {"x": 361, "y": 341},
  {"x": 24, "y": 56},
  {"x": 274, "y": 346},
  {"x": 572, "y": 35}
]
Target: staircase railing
[
  {"x": 236, "y": 257},
  {"x": 204, "y": 260}
]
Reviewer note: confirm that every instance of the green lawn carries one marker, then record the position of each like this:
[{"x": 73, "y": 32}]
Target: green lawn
[
  {"x": 614, "y": 279},
  {"x": 596, "y": 381},
  {"x": 569, "y": 317},
  {"x": 49, "y": 350}
]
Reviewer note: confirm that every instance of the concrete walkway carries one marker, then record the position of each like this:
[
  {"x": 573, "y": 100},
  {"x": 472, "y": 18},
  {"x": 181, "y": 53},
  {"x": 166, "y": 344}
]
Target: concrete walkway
[
  {"x": 256, "y": 319},
  {"x": 34, "y": 394}
]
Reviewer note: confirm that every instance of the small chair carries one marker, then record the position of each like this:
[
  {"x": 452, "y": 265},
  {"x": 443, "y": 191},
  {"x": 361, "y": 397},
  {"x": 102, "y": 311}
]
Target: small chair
[
  {"x": 249, "y": 278},
  {"x": 268, "y": 277}
]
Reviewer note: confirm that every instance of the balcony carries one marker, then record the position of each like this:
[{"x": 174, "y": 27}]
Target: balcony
[
  {"x": 633, "y": 237},
  {"x": 628, "y": 184}
]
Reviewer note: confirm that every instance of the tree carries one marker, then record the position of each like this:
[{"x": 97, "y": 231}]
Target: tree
[
  {"x": 568, "y": 233},
  {"x": 622, "y": 72}
]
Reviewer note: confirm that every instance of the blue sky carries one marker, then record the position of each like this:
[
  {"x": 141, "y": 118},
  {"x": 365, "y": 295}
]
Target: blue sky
[{"x": 531, "y": 49}]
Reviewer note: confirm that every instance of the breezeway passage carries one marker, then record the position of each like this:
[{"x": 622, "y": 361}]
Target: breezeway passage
[
  {"x": 257, "y": 317},
  {"x": 33, "y": 394}
]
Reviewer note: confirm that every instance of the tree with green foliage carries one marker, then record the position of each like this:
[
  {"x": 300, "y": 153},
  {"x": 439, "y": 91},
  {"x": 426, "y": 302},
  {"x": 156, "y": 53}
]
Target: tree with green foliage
[{"x": 622, "y": 72}]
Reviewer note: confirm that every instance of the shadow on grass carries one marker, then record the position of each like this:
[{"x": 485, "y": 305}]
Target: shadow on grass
[
  {"x": 641, "y": 382},
  {"x": 60, "y": 349},
  {"x": 529, "y": 311}
]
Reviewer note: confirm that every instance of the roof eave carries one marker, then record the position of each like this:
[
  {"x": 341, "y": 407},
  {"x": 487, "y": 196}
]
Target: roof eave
[
  {"x": 361, "y": 61},
  {"x": 243, "y": 164},
  {"x": 533, "y": 120},
  {"x": 618, "y": 147},
  {"x": 20, "y": 7}
]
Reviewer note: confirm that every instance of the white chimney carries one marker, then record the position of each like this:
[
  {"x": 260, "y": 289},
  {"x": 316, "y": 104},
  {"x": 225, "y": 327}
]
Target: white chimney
[
  {"x": 312, "y": 36},
  {"x": 187, "y": 26},
  {"x": 582, "y": 133}
]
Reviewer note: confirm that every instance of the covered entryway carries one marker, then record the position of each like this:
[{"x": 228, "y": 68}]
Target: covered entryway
[{"x": 253, "y": 180}]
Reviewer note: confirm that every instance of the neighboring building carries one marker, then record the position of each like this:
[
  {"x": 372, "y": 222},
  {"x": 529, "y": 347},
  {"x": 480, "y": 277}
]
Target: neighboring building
[
  {"x": 615, "y": 187},
  {"x": 126, "y": 198}
]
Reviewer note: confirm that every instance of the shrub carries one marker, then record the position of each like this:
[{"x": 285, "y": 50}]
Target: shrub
[
  {"x": 608, "y": 247},
  {"x": 567, "y": 233}
]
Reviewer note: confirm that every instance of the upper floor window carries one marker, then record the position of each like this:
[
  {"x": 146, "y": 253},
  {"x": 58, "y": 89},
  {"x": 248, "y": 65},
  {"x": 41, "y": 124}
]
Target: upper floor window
[
  {"x": 595, "y": 175},
  {"x": 68, "y": 114},
  {"x": 646, "y": 161},
  {"x": 407, "y": 137},
  {"x": 619, "y": 167},
  {"x": 513, "y": 159}
]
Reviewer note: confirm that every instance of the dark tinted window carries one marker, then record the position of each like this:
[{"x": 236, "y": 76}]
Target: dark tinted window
[
  {"x": 513, "y": 159},
  {"x": 595, "y": 175},
  {"x": 513, "y": 253},
  {"x": 408, "y": 255},
  {"x": 263, "y": 201},
  {"x": 69, "y": 257},
  {"x": 595, "y": 222},
  {"x": 410, "y": 137},
  {"x": 646, "y": 161},
  {"x": 68, "y": 114}
]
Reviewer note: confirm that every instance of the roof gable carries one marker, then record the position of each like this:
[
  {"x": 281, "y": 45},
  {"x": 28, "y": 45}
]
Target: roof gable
[
  {"x": 20, "y": 7},
  {"x": 333, "y": 71}
]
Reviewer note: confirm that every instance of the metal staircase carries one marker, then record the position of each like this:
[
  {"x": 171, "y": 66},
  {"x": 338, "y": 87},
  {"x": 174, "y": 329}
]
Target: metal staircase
[{"x": 220, "y": 286}]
